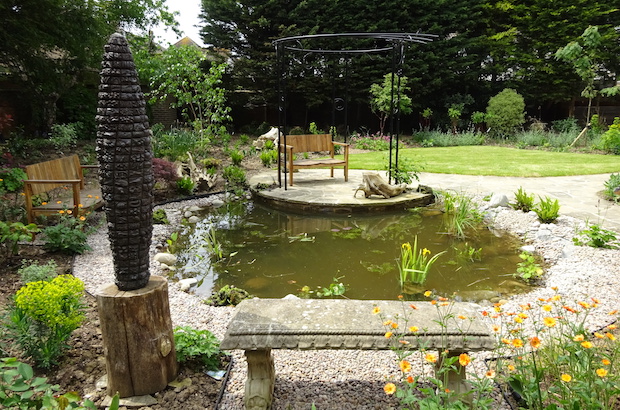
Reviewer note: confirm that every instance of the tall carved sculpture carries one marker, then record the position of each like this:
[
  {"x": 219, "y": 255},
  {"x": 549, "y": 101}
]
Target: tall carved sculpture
[
  {"x": 125, "y": 159},
  {"x": 134, "y": 311}
]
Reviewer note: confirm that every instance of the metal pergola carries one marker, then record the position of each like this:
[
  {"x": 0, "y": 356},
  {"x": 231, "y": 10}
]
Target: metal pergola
[{"x": 396, "y": 43}]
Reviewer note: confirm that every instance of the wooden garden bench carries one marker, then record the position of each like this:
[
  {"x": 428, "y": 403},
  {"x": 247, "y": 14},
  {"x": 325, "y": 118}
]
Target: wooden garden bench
[
  {"x": 296, "y": 144},
  {"x": 58, "y": 173},
  {"x": 260, "y": 325}
]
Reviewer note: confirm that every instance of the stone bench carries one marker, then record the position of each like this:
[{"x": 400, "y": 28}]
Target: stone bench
[{"x": 260, "y": 325}]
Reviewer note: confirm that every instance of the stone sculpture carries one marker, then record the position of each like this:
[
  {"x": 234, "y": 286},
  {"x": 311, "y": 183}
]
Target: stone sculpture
[
  {"x": 125, "y": 159},
  {"x": 373, "y": 183}
]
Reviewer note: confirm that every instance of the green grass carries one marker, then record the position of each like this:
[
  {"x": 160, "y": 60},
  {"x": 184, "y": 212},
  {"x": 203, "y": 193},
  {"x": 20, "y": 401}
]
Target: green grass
[{"x": 493, "y": 160}]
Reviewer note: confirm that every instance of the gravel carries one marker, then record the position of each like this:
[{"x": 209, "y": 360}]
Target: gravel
[{"x": 354, "y": 379}]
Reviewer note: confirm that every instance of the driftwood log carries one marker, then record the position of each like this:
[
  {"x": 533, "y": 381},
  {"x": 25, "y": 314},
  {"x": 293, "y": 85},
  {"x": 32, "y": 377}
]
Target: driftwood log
[{"x": 374, "y": 184}]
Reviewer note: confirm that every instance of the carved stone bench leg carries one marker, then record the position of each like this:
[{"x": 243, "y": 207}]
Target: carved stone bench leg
[
  {"x": 260, "y": 381},
  {"x": 455, "y": 380}
]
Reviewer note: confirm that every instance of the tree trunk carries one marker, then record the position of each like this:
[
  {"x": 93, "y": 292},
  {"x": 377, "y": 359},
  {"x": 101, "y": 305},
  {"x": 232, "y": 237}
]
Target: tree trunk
[{"x": 137, "y": 338}]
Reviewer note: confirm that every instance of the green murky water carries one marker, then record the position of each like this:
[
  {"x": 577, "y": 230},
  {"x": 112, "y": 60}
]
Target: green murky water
[{"x": 271, "y": 253}]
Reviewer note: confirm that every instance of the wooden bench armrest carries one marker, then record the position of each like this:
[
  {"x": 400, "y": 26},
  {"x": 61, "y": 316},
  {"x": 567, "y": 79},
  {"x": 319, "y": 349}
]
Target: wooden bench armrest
[
  {"x": 342, "y": 144},
  {"x": 52, "y": 181},
  {"x": 89, "y": 166}
]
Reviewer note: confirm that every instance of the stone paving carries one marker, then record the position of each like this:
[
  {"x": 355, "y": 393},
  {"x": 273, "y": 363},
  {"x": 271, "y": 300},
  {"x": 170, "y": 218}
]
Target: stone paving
[{"x": 578, "y": 195}]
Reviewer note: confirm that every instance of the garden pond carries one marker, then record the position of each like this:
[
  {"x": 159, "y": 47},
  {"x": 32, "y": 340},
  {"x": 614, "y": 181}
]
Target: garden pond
[{"x": 271, "y": 253}]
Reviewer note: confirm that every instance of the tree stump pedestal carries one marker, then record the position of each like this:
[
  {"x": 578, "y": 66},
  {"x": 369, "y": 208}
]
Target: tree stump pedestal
[{"x": 137, "y": 337}]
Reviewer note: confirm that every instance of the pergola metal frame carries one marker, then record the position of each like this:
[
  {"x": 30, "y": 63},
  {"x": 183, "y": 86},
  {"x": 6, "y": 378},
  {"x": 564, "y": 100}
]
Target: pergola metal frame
[{"x": 394, "y": 42}]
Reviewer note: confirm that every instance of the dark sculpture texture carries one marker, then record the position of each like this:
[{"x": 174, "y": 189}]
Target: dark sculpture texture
[{"x": 125, "y": 160}]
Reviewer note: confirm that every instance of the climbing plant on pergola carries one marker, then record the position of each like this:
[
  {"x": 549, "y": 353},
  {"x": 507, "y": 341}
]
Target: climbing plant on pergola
[{"x": 394, "y": 44}]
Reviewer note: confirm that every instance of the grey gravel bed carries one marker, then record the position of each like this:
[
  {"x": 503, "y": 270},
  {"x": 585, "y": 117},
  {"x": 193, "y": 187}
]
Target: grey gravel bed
[{"x": 354, "y": 379}]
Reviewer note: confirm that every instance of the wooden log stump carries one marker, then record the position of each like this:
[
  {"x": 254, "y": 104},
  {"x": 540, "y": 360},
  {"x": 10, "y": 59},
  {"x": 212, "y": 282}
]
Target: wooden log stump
[{"x": 137, "y": 337}]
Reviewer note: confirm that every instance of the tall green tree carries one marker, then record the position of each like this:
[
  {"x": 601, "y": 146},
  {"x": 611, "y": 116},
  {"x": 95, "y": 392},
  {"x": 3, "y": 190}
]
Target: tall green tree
[
  {"x": 45, "y": 45},
  {"x": 389, "y": 98}
]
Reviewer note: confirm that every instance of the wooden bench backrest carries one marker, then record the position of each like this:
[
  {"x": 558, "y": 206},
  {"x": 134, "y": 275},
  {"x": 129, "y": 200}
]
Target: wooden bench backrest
[
  {"x": 310, "y": 142},
  {"x": 58, "y": 169}
]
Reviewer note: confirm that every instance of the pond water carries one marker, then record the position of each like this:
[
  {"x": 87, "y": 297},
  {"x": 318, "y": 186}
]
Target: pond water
[{"x": 272, "y": 253}]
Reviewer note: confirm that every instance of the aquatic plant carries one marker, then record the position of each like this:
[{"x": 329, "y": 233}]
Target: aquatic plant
[{"x": 415, "y": 263}]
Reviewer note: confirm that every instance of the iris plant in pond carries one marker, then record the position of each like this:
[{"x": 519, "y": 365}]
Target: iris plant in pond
[{"x": 415, "y": 263}]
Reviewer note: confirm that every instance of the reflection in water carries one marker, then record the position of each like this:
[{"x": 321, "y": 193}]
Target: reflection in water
[{"x": 272, "y": 253}]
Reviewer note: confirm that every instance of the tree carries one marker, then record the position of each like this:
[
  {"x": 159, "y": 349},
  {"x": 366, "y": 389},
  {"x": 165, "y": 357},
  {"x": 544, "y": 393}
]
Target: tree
[
  {"x": 385, "y": 100},
  {"x": 45, "y": 45},
  {"x": 505, "y": 113},
  {"x": 194, "y": 82}
]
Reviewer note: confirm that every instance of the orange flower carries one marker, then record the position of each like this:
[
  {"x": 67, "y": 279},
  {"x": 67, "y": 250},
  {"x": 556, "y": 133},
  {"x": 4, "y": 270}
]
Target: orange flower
[
  {"x": 578, "y": 338},
  {"x": 43, "y": 203},
  {"x": 506, "y": 341},
  {"x": 584, "y": 305},
  {"x": 610, "y": 336},
  {"x": 613, "y": 312},
  {"x": 82, "y": 218},
  {"x": 601, "y": 372},
  {"x": 606, "y": 362},
  {"x": 570, "y": 309},
  {"x": 69, "y": 212},
  {"x": 376, "y": 310},
  {"x": 496, "y": 328},
  {"x": 485, "y": 313},
  {"x": 464, "y": 359},
  {"x": 549, "y": 321},
  {"x": 403, "y": 342},
  {"x": 535, "y": 342},
  {"x": 444, "y": 304},
  {"x": 61, "y": 212},
  {"x": 89, "y": 196},
  {"x": 598, "y": 335},
  {"x": 431, "y": 358},
  {"x": 566, "y": 377},
  {"x": 405, "y": 366},
  {"x": 587, "y": 345},
  {"x": 413, "y": 329},
  {"x": 490, "y": 374},
  {"x": 546, "y": 308},
  {"x": 410, "y": 379},
  {"x": 512, "y": 367},
  {"x": 612, "y": 327},
  {"x": 394, "y": 325},
  {"x": 462, "y": 317},
  {"x": 389, "y": 388},
  {"x": 387, "y": 323},
  {"x": 433, "y": 302},
  {"x": 517, "y": 343},
  {"x": 400, "y": 297},
  {"x": 388, "y": 335},
  {"x": 80, "y": 206},
  {"x": 412, "y": 306},
  {"x": 428, "y": 293}
]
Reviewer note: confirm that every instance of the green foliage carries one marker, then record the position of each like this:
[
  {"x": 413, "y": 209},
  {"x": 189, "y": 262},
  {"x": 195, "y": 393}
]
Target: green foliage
[
  {"x": 176, "y": 143},
  {"x": 612, "y": 188},
  {"x": 314, "y": 129},
  {"x": 12, "y": 179},
  {"x": 448, "y": 139},
  {"x": 505, "y": 113},
  {"x": 197, "y": 345},
  {"x": 269, "y": 157},
  {"x": 336, "y": 288},
  {"x": 478, "y": 117},
  {"x": 523, "y": 201},
  {"x": 31, "y": 271},
  {"x": 406, "y": 171},
  {"x": 173, "y": 242},
  {"x": 460, "y": 215},
  {"x": 547, "y": 209},
  {"x": 234, "y": 177},
  {"x": 160, "y": 217},
  {"x": 67, "y": 236},
  {"x": 236, "y": 157},
  {"x": 610, "y": 141},
  {"x": 228, "y": 295},
  {"x": 528, "y": 269},
  {"x": 11, "y": 234},
  {"x": 43, "y": 317},
  {"x": 195, "y": 84},
  {"x": 381, "y": 96},
  {"x": 185, "y": 185},
  {"x": 415, "y": 263},
  {"x": 566, "y": 125},
  {"x": 376, "y": 142},
  {"x": 64, "y": 136},
  {"x": 597, "y": 237}
]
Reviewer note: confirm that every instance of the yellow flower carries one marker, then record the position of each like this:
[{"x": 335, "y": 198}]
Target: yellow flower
[
  {"x": 512, "y": 367},
  {"x": 394, "y": 325},
  {"x": 606, "y": 362},
  {"x": 59, "y": 202},
  {"x": 389, "y": 388},
  {"x": 388, "y": 335},
  {"x": 462, "y": 317},
  {"x": 406, "y": 246},
  {"x": 546, "y": 308},
  {"x": 490, "y": 374},
  {"x": 612, "y": 327},
  {"x": 43, "y": 203},
  {"x": 387, "y": 323},
  {"x": 584, "y": 305},
  {"x": 601, "y": 372},
  {"x": 413, "y": 329},
  {"x": 578, "y": 338},
  {"x": 566, "y": 377},
  {"x": 376, "y": 310},
  {"x": 506, "y": 341},
  {"x": 431, "y": 358},
  {"x": 610, "y": 336},
  {"x": 598, "y": 335},
  {"x": 61, "y": 212},
  {"x": 425, "y": 252},
  {"x": 89, "y": 196},
  {"x": 405, "y": 366},
  {"x": 587, "y": 345},
  {"x": 517, "y": 343},
  {"x": 496, "y": 328},
  {"x": 82, "y": 218},
  {"x": 80, "y": 206},
  {"x": 428, "y": 293},
  {"x": 464, "y": 359},
  {"x": 518, "y": 319},
  {"x": 535, "y": 342},
  {"x": 549, "y": 321}
]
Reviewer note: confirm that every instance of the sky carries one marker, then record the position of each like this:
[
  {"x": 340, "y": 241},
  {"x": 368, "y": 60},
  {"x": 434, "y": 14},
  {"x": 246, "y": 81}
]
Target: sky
[{"x": 188, "y": 18}]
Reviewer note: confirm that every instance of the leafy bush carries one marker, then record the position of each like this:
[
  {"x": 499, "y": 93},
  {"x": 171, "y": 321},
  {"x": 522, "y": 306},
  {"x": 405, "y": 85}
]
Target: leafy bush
[
  {"x": 566, "y": 125},
  {"x": 296, "y": 131},
  {"x": 11, "y": 234},
  {"x": 269, "y": 157},
  {"x": 44, "y": 315},
  {"x": 186, "y": 185},
  {"x": 528, "y": 269},
  {"x": 505, "y": 113},
  {"x": 547, "y": 209},
  {"x": 524, "y": 201},
  {"x": 235, "y": 177},
  {"x": 461, "y": 214},
  {"x": 236, "y": 157},
  {"x": 175, "y": 144},
  {"x": 31, "y": 271},
  {"x": 610, "y": 141},
  {"x": 596, "y": 237},
  {"x": 160, "y": 217},
  {"x": 12, "y": 179},
  {"x": 376, "y": 142},
  {"x": 200, "y": 345},
  {"x": 228, "y": 295},
  {"x": 164, "y": 170},
  {"x": 611, "y": 185},
  {"x": 64, "y": 136},
  {"x": 67, "y": 236}
]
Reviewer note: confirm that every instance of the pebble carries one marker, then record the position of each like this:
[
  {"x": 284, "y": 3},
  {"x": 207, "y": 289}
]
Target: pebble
[{"x": 350, "y": 379}]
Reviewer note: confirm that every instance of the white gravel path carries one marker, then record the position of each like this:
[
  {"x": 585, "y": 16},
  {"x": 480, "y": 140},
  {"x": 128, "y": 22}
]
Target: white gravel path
[{"x": 354, "y": 379}]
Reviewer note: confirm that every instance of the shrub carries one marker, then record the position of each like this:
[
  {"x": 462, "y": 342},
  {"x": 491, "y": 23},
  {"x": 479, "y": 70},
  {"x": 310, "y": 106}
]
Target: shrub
[
  {"x": 505, "y": 113},
  {"x": 185, "y": 185},
  {"x": 44, "y": 315},
  {"x": 228, "y": 295},
  {"x": 236, "y": 157},
  {"x": 528, "y": 269},
  {"x": 11, "y": 234},
  {"x": 164, "y": 170},
  {"x": 524, "y": 201},
  {"x": 199, "y": 345},
  {"x": 269, "y": 157},
  {"x": 64, "y": 136},
  {"x": 566, "y": 125},
  {"x": 12, "y": 179},
  {"x": 67, "y": 235},
  {"x": 31, "y": 271},
  {"x": 610, "y": 141},
  {"x": 235, "y": 177},
  {"x": 160, "y": 217},
  {"x": 596, "y": 237},
  {"x": 611, "y": 185},
  {"x": 175, "y": 144},
  {"x": 547, "y": 209}
]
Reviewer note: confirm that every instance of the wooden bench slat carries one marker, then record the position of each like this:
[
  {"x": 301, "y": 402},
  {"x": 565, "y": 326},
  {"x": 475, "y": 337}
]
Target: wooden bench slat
[{"x": 313, "y": 143}]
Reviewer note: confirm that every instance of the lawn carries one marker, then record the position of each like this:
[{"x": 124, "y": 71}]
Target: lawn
[{"x": 493, "y": 160}]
